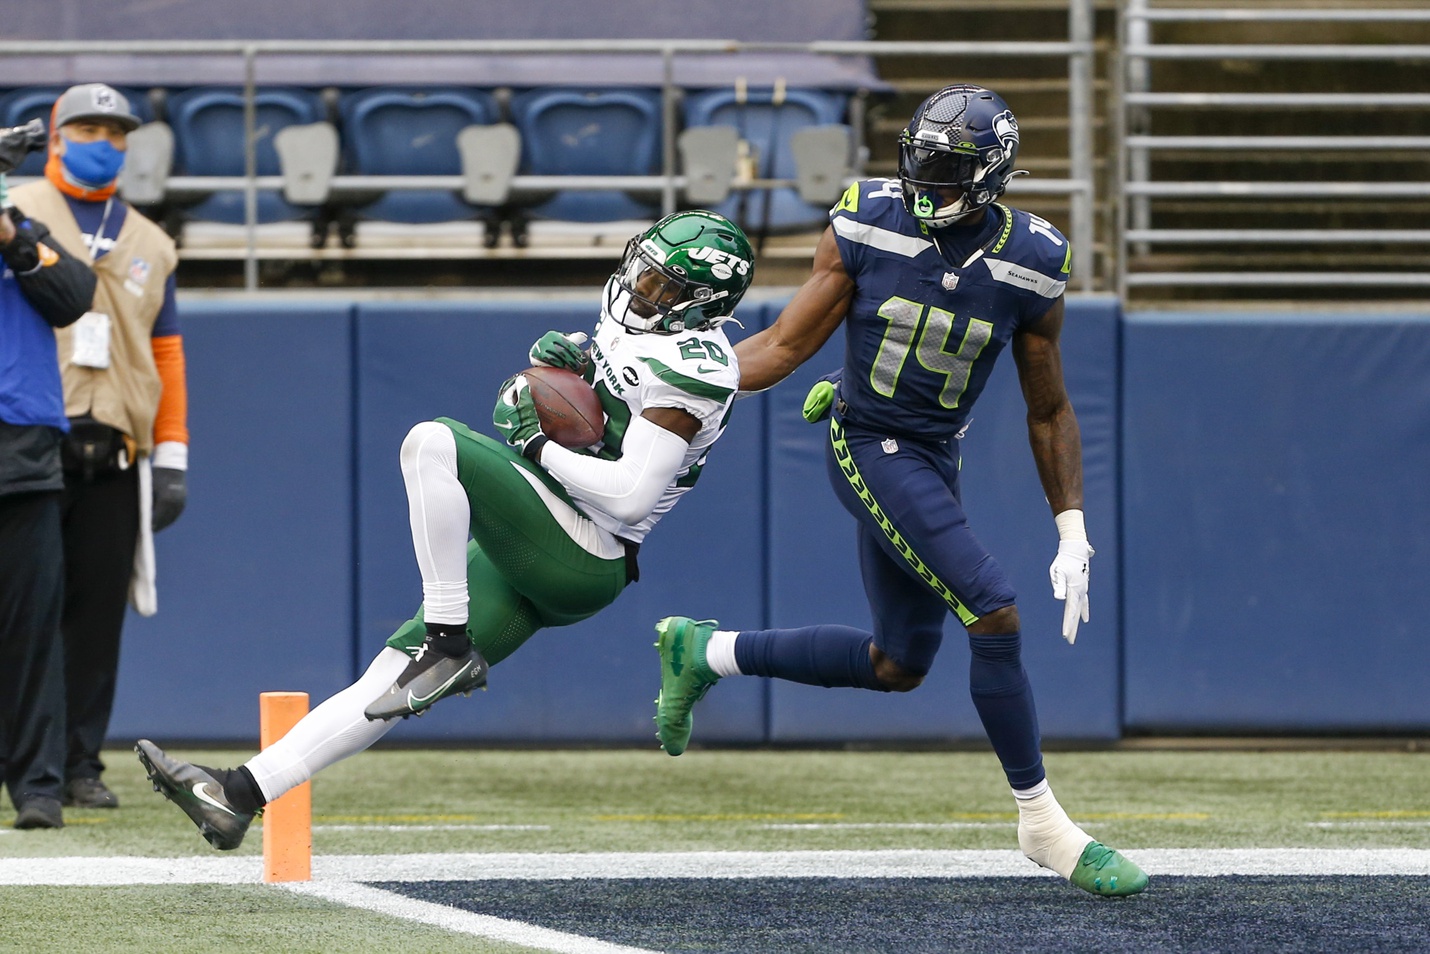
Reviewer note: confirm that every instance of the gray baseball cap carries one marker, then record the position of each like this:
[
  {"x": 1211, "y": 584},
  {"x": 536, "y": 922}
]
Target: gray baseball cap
[{"x": 94, "y": 101}]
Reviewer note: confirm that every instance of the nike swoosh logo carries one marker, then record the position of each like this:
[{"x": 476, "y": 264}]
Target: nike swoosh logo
[
  {"x": 208, "y": 799},
  {"x": 414, "y": 701},
  {"x": 704, "y": 370}
]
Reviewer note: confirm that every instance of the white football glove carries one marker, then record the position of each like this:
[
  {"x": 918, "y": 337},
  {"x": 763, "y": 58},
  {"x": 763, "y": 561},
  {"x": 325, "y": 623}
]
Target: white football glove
[{"x": 1069, "y": 574}]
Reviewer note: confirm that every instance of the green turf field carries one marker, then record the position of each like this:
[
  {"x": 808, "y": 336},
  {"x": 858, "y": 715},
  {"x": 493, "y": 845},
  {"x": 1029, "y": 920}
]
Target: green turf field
[{"x": 400, "y": 802}]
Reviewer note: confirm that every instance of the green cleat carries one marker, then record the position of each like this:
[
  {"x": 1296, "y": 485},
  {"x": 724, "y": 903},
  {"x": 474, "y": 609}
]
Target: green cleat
[
  {"x": 1103, "y": 871},
  {"x": 684, "y": 677}
]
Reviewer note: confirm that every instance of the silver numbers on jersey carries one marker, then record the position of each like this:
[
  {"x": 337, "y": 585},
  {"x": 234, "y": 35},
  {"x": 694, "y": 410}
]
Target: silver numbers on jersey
[{"x": 904, "y": 317}]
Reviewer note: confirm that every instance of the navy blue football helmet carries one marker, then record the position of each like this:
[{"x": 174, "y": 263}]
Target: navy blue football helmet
[{"x": 962, "y": 137}]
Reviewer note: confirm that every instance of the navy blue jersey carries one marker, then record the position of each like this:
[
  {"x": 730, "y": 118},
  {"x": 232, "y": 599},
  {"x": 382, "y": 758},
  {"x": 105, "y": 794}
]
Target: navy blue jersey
[{"x": 926, "y": 324}]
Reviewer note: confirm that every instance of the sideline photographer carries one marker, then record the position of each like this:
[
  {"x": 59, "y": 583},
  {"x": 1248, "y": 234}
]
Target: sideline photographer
[
  {"x": 125, "y": 396},
  {"x": 42, "y": 287}
]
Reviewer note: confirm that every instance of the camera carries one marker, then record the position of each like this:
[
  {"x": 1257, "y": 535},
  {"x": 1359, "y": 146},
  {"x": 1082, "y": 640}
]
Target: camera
[{"x": 17, "y": 142}]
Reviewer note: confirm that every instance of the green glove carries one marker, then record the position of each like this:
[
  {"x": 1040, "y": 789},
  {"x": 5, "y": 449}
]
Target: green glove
[
  {"x": 818, "y": 401},
  {"x": 555, "y": 350},
  {"x": 516, "y": 419}
]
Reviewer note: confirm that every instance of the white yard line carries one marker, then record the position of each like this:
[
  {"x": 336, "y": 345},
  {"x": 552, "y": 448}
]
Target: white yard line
[
  {"x": 406, "y": 828},
  {"x": 1372, "y": 823},
  {"x": 248, "y": 869},
  {"x": 453, "y": 919},
  {"x": 843, "y": 826}
]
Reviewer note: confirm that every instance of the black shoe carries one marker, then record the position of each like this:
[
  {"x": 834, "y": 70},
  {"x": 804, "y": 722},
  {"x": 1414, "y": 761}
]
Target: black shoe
[
  {"x": 40, "y": 813},
  {"x": 429, "y": 677},
  {"x": 89, "y": 793},
  {"x": 198, "y": 793}
]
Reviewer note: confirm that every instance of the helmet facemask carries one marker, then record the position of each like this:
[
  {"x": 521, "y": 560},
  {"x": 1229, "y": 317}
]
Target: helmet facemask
[
  {"x": 685, "y": 273},
  {"x": 963, "y": 139},
  {"x": 657, "y": 298}
]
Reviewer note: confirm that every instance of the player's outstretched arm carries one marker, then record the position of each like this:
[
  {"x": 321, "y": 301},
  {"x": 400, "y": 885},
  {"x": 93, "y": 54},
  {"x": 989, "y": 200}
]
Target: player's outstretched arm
[
  {"x": 805, "y": 324},
  {"x": 1052, "y": 425},
  {"x": 1057, "y": 449}
]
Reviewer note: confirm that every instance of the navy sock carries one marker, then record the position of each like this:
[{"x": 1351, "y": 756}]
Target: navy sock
[
  {"x": 814, "y": 655},
  {"x": 1004, "y": 700}
]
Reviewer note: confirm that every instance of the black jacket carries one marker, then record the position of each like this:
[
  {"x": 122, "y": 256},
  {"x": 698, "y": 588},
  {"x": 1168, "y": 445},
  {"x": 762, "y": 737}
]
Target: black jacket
[{"x": 61, "y": 292}]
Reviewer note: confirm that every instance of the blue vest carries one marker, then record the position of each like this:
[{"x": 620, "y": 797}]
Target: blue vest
[
  {"x": 926, "y": 324},
  {"x": 30, "y": 389}
]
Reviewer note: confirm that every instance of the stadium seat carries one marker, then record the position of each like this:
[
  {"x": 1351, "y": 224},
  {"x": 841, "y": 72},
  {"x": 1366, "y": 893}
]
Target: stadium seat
[
  {"x": 768, "y": 128},
  {"x": 35, "y": 102},
  {"x": 392, "y": 131},
  {"x": 208, "y": 141},
  {"x": 610, "y": 132}
]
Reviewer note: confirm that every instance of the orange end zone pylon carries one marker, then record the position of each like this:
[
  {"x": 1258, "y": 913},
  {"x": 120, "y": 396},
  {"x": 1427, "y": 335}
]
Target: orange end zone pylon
[{"x": 288, "y": 820}]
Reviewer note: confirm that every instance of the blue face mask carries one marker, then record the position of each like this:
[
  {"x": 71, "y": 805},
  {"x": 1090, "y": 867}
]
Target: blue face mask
[{"x": 95, "y": 164}]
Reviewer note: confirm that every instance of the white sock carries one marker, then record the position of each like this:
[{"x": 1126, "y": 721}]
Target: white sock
[
  {"x": 720, "y": 653},
  {"x": 1045, "y": 832},
  {"x": 331, "y": 732},
  {"x": 438, "y": 512}
]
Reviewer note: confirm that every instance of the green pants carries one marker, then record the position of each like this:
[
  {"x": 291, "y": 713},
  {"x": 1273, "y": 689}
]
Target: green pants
[{"x": 524, "y": 571}]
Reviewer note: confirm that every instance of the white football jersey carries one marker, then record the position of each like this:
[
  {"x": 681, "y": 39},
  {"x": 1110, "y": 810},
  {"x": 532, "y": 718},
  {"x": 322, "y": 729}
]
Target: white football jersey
[{"x": 695, "y": 371}]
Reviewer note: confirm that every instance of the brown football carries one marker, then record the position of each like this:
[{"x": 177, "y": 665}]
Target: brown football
[{"x": 569, "y": 409}]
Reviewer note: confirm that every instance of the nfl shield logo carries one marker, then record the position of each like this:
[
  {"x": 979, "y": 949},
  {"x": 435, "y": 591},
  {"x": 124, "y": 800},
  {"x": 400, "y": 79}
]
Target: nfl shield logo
[
  {"x": 139, "y": 271},
  {"x": 950, "y": 281}
]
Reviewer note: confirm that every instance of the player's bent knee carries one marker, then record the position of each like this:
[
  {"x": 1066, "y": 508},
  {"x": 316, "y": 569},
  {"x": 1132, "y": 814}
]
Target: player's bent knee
[
  {"x": 428, "y": 443},
  {"x": 895, "y": 678},
  {"x": 996, "y": 623}
]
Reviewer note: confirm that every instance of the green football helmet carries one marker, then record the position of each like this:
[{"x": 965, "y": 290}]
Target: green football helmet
[{"x": 687, "y": 272}]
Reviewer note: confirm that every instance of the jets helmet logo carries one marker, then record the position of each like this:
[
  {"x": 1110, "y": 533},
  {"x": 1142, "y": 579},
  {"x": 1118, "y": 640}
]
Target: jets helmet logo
[{"x": 722, "y": 264}]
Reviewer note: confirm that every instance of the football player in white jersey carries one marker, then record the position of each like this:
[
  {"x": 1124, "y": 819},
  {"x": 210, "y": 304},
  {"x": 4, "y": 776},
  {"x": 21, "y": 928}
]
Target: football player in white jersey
[{"x": 554, "y": 532}]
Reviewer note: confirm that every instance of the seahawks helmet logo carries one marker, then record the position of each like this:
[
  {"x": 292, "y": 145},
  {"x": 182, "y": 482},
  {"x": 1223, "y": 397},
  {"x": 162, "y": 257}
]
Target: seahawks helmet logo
[{"x": 1005, "y": 127}]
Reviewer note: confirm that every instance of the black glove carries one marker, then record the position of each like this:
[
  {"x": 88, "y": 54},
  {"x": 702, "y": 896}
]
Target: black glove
[{"x": 170, "y": 494}]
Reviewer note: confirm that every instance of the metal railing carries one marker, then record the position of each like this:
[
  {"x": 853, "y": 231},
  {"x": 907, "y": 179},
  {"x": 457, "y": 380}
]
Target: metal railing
[
  {"x": 1139, "y": 188},
  {"x": 1078, "y": 51}
]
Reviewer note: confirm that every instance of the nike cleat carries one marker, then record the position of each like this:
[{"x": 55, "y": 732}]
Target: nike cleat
[
  {"x": 428, "y": 678},
  {"x": 198, "y": 793},
  {"x": 1103, "y": 871},
  {"x": 684, "y": 677}
]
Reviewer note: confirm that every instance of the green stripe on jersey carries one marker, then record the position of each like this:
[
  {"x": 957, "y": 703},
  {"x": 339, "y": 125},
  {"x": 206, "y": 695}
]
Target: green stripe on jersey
[{"x": 689, "y": 385}]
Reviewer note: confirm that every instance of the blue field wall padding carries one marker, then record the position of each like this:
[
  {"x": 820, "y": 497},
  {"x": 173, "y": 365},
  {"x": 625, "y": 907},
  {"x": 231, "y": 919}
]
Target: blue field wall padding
[
  {"x": 1263, "y": 475},
  {"x": 256, "y": 579},
  {"x": 1277, "y": 511},
  {"x": 814, "y": 573},
  {"x": 596, "y": 680}
]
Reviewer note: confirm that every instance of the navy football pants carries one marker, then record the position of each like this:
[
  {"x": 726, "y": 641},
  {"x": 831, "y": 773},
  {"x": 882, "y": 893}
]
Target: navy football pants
[{"x": 917, "y": 555}]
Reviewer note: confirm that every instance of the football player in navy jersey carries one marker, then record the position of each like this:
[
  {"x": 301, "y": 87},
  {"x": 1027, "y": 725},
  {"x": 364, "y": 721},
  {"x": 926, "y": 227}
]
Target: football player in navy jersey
[{"x": 932, "y": 279}]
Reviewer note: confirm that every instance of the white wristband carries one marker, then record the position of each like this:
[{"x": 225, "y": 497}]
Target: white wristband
[
  {"x": 171, "y": 454},
  {"x": 1070, "y": 525}
]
